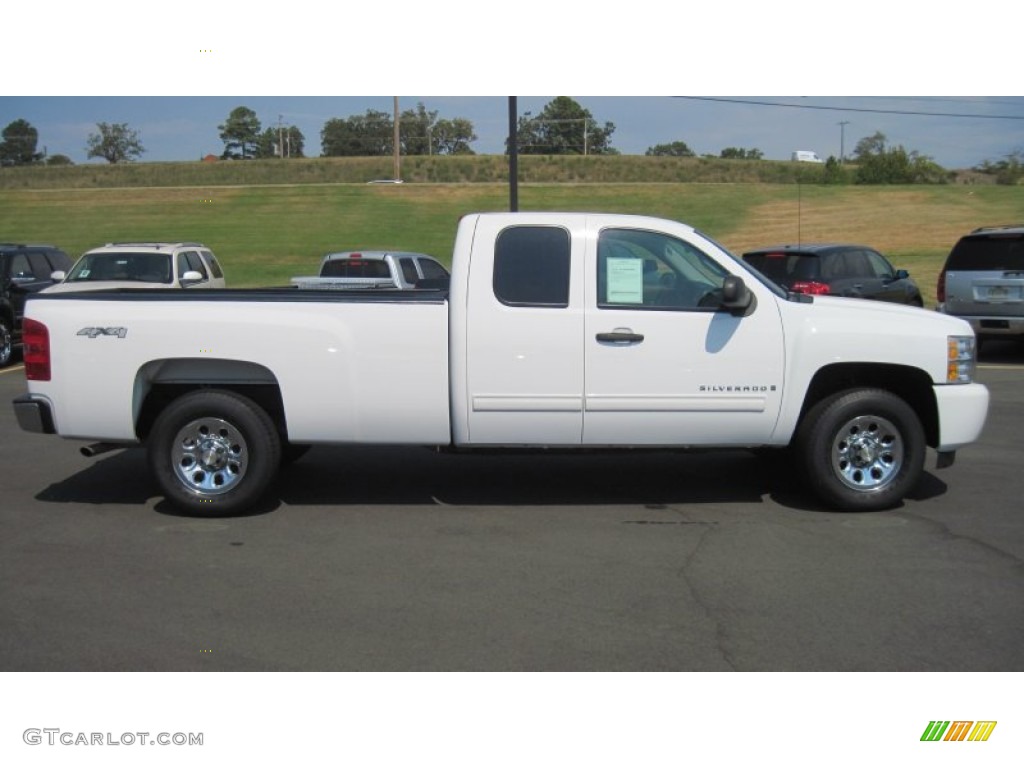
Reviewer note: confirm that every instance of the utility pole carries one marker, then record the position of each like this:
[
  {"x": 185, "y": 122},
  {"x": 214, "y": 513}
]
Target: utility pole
[
  {"x": 513, "y": 156},
  {"x": 842, "y": 141},
  {"x": 398, "y": 170}
]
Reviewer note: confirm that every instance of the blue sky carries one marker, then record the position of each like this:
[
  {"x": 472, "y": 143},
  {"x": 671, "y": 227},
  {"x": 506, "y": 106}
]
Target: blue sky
[
  {"x": 175, "y": 77},
  {"x": 185, "y": 127}
]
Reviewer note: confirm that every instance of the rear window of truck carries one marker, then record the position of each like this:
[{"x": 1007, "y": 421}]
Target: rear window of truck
[
  {"x": 992, "y": 253},
  {"x": 355, "y": 268}
]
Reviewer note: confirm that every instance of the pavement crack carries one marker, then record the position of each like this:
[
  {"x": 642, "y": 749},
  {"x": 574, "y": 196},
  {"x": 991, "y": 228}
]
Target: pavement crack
[{"x": 685, "y": 573}]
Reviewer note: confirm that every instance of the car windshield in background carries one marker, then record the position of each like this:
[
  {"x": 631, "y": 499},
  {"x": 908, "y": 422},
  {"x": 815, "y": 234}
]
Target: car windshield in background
[
  {"x": 131, "y": 267},
  {"x": 355, "y": 268},
  {"x": 991, "y": 253}
]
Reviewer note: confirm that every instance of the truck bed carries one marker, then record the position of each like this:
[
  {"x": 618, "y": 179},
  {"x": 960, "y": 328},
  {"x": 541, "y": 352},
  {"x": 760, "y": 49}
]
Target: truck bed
[{"x": 351, "y": 366}]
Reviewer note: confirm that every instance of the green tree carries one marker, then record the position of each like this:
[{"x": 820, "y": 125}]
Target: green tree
[
  {"x": 115, "y": 143},
  {"x": 833, "y": 173},
  {"x": 880, "y": 164},
  {"x": 59, "y": 160},
  {"x": 675, "y": 149},
  {"x": 370, "y": 135},
  {"x": 415, "y": 128},
  {"x": 1009, "y": 170},
  {"x": 870, "y": 145},
  {"x": 272, "y": 140},
  {"x": 453, "y": 137},
  {"x": 19, "y": 144},
  {"x": 240, "y": 134},
  {"x": 736, "y": 153},
  {"x": 563, "y": 127}
]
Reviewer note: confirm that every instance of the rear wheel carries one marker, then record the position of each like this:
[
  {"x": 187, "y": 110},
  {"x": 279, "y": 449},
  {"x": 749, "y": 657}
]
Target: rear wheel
[
  {"x": 862, "y": 449},
  {"x": 214, "y": 452}
]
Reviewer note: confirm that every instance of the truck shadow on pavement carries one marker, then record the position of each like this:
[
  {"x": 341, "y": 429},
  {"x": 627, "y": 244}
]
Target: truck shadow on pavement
[{"x": 333, "y": 475}]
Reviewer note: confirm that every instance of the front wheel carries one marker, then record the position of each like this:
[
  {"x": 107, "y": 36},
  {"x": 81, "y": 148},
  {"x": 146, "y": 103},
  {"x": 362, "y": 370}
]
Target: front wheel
[
  {"x": 862, "y": 449},
  {"x": 214, "y": 452}
]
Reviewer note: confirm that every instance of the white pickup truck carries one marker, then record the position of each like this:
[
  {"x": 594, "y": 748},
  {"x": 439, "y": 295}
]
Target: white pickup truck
[
  {"x": 347, "y": 270},
  {"x": 565, "y": 330}
]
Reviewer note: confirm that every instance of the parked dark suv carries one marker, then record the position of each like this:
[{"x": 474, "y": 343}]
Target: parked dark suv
[
  {"x": 982, "y": 281},
  {"x": 24, "y": 269},
  {"x": 838, "y": 269}
]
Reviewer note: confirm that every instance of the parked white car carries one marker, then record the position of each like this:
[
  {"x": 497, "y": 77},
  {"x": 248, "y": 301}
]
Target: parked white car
[{"x": 142, "y": 265}]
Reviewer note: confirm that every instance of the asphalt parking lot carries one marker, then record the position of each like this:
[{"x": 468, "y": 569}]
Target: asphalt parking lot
[{"x": 403, "y": 559}]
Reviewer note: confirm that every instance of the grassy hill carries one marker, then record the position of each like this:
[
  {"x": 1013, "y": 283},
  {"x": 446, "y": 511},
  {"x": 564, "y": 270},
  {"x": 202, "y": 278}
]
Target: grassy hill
[
  {"x": 469, "y": 169},
  {"x": 266, "y": 230}
]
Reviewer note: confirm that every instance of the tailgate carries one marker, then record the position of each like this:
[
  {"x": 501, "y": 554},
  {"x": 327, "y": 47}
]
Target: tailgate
[{"x": 985, "y": 293}]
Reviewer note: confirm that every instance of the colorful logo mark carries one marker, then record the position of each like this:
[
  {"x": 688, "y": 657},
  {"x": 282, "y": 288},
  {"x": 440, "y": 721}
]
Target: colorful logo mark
[{"x": 959, "y": 730}]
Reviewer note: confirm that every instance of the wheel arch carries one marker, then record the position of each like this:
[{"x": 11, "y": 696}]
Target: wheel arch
[
  {"x": 912, "y": 385},
  {"x": 160, "y": 382}
]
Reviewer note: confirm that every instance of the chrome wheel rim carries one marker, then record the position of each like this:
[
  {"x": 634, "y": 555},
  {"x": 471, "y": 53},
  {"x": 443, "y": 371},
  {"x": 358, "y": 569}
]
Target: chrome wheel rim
[
  {"x": 210, "y": 456},
  {"x": 867, "y": 453}
]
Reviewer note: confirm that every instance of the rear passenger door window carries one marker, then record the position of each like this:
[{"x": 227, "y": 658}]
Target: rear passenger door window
[
  {"x": 40, "y": 266},
  {"x": 58, "y": 261},
  {"x": 531, "y": 267},
  {"x": 21, "y": 270},
  {"x": 215, "y": 269},
  {"x": 432, "y": 270},
  {"x": 409, "y": 270}
]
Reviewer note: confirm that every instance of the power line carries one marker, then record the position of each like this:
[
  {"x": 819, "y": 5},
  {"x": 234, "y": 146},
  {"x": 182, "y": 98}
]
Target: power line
[{"x": 852, "y": 109}]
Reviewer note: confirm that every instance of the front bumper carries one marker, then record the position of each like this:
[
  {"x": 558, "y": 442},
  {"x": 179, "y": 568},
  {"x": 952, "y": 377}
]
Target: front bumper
[
  {"x": 34, "y": 415},
  {"x": 963, "y": 409}
]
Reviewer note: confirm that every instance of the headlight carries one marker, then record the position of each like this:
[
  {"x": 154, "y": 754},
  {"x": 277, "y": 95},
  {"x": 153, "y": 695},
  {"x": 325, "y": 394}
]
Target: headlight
[{"x": 960, "y": 359}]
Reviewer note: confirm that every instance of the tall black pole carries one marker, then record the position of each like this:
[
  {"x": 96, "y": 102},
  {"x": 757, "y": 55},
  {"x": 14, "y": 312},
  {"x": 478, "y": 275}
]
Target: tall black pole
[{"x": 513, "y": 157}]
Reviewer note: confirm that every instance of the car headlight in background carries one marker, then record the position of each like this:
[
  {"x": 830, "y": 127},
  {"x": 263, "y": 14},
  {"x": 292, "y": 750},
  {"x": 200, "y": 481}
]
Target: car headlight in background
[{"x": 960, "y": 359}]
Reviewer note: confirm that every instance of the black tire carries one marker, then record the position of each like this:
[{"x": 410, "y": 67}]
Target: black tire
[
  {"x": 862, "y": 449},
  {"x": 6, "y": 344},
  {"x": 214, "y": 452}
]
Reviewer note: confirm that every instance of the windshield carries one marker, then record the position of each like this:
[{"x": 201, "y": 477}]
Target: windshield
[{"x": 131, "y": 267}]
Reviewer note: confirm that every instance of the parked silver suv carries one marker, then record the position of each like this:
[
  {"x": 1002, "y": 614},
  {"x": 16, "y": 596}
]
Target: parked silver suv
[{"x": 982, "y": 281}]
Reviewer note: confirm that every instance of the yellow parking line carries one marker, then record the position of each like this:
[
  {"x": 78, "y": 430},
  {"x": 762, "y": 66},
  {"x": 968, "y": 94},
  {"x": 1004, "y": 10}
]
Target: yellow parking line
[
  {"x": 994, "y": 367},
  {"x": 12, "y": 370}
]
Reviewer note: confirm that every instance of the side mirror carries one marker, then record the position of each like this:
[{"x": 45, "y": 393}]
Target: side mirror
[
  {"x": 58, "y": 276},
  {"x": 902, "y": 274},
  {"x": 191, "y": 278},
  {"x": 736, "y": 297}
]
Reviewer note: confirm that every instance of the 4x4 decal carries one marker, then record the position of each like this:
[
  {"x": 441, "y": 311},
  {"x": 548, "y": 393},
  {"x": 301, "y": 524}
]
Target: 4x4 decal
[{"x": 92, "y": 333}]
